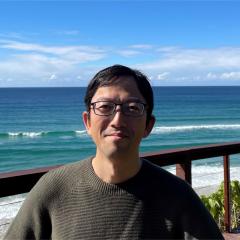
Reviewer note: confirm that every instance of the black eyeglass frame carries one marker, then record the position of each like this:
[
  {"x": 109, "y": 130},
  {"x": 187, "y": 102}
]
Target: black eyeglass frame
[{"x": 144, "y": 107}]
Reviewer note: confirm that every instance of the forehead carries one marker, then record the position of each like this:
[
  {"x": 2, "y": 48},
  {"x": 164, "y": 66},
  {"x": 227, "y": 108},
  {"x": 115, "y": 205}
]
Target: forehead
[{"x": 123, "y": 88}]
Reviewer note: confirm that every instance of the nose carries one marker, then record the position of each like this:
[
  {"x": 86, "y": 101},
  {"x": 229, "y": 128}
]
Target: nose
[{"x": 118, "y": 117}]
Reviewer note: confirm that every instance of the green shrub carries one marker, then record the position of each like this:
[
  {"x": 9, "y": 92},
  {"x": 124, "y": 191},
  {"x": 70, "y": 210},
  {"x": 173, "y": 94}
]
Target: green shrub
[{"x": 215, "y": 204}]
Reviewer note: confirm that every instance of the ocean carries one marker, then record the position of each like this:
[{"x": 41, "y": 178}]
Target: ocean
[{"x": 43, "y": 126}]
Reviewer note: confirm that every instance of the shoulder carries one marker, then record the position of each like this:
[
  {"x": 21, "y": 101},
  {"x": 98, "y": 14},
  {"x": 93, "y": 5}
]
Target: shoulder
[
  {"x": 59, "y": 182},
  {"x": 155, "y": 172},
  {"x": 67, "y": 172},
  {"x": 171, "y": 189},
  {"x": 177, "y": 199},
  {"x": 165, "y": 182}
]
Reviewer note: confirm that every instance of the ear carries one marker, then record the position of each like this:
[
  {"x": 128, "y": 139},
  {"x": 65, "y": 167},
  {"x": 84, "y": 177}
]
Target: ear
[
  {"x": 86, "y": 121},
  {"x": 149, "y": 126}
]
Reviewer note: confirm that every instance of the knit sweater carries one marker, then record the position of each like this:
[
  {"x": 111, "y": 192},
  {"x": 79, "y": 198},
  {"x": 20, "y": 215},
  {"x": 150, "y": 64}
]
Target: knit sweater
[{"x": 73, "y": 203}]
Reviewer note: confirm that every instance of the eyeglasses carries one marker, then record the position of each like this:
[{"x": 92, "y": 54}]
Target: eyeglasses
[{"x": 106, "y": 108}]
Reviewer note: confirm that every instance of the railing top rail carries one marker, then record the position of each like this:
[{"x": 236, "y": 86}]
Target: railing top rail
[
  {"x": 161, "y": 158},
  {"x": 27, "y": 172},
  {"x": 182, "y": 155}
]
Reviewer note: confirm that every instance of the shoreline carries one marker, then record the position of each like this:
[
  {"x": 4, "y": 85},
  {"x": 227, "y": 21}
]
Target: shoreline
[{"x": 206, "y": 190}]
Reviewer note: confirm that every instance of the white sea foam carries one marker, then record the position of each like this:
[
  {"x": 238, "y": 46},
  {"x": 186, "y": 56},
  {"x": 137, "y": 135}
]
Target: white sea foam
[
  {"x": 64, "y": 135},
  {"x": 9, "y": 207},
  {"x": 184, "y": 128},
  {"x": 81, "y": 132},
  {"x": 205, "y": 175},
  {"x": 26, "y": 134},
  {"x": 156, "y": 130}
]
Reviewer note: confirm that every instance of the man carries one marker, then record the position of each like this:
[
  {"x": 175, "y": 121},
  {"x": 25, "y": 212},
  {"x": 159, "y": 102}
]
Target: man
[{"x": 115, "y": 194}]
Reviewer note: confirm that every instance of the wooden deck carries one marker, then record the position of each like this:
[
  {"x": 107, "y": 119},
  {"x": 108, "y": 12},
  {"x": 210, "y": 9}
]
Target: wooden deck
[{"x": 232, "y": 236}]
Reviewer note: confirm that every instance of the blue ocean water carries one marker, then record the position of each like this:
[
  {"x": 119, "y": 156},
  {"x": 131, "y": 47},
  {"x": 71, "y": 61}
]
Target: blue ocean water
[{"x": 43, "y": 126}]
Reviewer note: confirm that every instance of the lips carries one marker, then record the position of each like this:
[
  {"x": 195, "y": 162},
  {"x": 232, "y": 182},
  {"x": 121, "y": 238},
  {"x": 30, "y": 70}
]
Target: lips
[{"x": 118, "y": 134}]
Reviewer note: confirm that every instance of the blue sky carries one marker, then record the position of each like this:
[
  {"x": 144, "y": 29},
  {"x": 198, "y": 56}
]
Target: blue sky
[{"x": 64, "y": 43}]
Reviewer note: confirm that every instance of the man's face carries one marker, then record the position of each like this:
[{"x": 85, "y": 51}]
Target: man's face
[{"x": 117, "y": 134}]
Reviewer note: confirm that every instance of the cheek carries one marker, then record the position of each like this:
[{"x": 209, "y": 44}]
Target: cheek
[
  {"x": 138, "y": 127},
  {"x": 98, "y": 126}
]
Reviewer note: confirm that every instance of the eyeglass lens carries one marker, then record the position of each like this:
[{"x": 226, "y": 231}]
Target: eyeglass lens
[{"x": 104, "y": 108}]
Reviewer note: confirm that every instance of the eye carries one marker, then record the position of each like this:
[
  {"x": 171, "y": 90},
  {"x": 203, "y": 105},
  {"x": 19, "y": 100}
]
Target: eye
[
  {"x": 104, "y": 106},
  {"x": 134, "y": 107}
]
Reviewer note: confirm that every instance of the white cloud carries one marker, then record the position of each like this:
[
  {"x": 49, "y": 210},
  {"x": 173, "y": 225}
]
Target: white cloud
[
  {"x": 53, "y": 77},
  {"x": 12, "y": 35},
  {"x": 162, "y": 76},
  {"x": 141, "y": 46},
  {"x": 135, "y": 50},
  {"x": 82, "y": 53},
  {"x": 79, "y": 77},
  {"x": 69, "y": 32},
  {"x": 211, "y": 75},
  {"x": 196, "y": 66},
  {"x": 35, "y": 62},
  {"x": 167, "y": 49},
  {"x": 77, "y": 64},
  {"x": 224, "y": 75},
  {"x": 231, "y": 75},
  {"x": 128, "y": 53},
  {"x": 180, "y": 58}
]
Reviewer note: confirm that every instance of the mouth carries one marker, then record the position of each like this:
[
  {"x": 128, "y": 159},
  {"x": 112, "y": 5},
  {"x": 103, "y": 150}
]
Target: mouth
[{"x": 118, "y": 135}]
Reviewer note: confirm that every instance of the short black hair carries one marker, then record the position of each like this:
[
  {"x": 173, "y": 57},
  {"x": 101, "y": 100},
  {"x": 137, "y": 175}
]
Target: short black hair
[{"x": 109, "y": 76}]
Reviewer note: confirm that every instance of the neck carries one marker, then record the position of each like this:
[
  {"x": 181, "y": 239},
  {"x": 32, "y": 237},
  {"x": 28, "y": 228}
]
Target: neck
[{"x": 116, "y": 170}]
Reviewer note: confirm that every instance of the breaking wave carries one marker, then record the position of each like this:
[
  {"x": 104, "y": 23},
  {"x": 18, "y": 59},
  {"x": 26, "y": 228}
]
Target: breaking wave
[
  {"x": 156, "y": 130},
  {"x": 186, "y": 128},
  {"x": 43, "y": 133}
]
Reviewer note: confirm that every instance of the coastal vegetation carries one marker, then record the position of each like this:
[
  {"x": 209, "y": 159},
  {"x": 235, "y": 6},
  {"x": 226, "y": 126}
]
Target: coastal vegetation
[{"x": 215, "y": 204}]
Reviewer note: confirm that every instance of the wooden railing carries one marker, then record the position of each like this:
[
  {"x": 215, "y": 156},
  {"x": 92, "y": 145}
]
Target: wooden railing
[{"x": 22, "y": 181}]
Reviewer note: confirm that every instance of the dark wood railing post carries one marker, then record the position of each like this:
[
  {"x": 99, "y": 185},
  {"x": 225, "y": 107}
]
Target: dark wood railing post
[
  {"x": 184, "y": 171},
  {"x": 227, "y": 200}
]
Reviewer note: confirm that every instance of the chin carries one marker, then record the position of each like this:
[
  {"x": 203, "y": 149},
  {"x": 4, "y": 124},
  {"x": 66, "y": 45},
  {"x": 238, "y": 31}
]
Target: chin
[{"x": 116, "y": 152}]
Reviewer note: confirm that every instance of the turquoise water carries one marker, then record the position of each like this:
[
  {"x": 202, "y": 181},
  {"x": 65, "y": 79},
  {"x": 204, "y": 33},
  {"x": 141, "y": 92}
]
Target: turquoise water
[{"x": 43, "y": 126}]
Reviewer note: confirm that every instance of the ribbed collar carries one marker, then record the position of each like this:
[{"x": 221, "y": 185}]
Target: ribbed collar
[{"x": 111, "y": 189}]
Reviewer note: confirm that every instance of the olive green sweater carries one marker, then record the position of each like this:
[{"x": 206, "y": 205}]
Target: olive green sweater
[{"x": 73, "y": 203}]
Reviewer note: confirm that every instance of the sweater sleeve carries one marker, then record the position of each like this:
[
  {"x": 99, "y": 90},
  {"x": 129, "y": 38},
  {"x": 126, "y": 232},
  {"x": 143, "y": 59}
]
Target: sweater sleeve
[
  {"x": 36, "y": 217},
  {"x": 197, "y": 222},
  {"x": 33, "y": 219}
]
